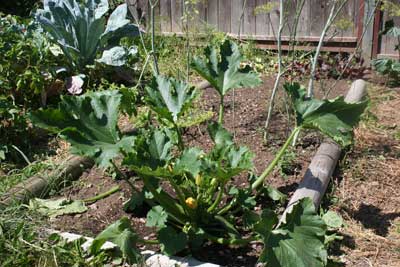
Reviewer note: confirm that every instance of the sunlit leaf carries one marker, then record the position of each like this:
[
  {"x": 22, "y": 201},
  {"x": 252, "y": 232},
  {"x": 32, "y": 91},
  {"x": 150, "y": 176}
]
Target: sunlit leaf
[
  {"x": 89, "y": 123},
  {"x": 222, "y": 68},
  {"x": 156, "y": 217},
  {"x": 169, "y": 97},
  {"x": 171, "y": 241},
  {"x": 297, "y": 243},
  {"x": 121, "y": 234},
  {"x": 335, "y": 118}
]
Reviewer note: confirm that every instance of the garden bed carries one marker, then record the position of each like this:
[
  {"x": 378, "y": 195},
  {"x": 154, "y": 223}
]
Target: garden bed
[{"x": 248, "y": 123}]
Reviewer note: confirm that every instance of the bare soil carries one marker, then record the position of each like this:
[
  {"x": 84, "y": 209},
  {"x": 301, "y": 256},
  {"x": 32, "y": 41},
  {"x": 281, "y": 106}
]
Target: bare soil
[{"x": 364, "y": 191}]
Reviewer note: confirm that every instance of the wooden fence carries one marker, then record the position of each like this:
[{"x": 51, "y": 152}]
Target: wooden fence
[{"x": 224, "y": 16}]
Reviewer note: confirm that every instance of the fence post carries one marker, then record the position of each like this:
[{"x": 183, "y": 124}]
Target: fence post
[{"x": 367, "y": 45}]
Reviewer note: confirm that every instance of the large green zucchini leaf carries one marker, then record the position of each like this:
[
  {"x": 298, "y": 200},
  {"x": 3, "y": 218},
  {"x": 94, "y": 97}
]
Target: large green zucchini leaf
[
  {"x": 89, "y": 123},
  {"x": 334, "y": 118}
]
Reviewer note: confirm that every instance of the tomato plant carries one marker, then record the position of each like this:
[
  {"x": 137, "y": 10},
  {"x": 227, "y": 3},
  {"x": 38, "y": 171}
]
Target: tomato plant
[{"x": 203, "y": 203}]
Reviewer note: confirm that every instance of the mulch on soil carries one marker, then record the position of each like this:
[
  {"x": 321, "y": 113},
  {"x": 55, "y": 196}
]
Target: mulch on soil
[{"x": 359, "y": 200}]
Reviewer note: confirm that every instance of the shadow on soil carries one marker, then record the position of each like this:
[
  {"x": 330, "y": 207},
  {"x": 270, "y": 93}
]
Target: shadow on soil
[{"x": 372, "y": 217}]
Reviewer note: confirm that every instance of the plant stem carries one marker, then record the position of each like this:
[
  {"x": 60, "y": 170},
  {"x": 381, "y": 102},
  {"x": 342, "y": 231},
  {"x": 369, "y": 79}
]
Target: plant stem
[
  {"x": 181, "y": 145},
  {"x": 221, "y": 111},
  {"x": 292, "y": 41},
  {"x": 22, "y": 154},
  {"x": 227, "y": 207},
  {"x": 166, "y": 201},
  {"x": 280, "y": 72},
  {"x": 217, "y": 200},
  {"x": 272, "y": 165},
  {"x": 186, "y": 10},
  {"x": 123, "y": 176},
  {"x": 234, "y": 89},
  {"x": 102, "y": 195},
  {"x": 148, "y": 242},
  {"x": 331, "y": 18},
  {"x": 153, "y": 49},
  {"x": 225, "y": 241}
]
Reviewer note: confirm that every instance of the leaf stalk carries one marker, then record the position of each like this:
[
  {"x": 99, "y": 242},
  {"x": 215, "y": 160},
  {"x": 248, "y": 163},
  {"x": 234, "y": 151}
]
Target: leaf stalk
[{"x": 275, "y": 162}]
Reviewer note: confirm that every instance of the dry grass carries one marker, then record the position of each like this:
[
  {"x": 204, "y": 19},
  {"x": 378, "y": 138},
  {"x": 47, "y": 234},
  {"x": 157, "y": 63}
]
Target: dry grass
[{"x": 369, "y": 200}]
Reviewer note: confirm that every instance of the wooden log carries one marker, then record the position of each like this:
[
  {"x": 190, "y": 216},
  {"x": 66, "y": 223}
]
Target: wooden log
[
  {"x": 38, "y": 185},
  {"x": 203, "y": 85},
  {"x": 320, "y": 170}
]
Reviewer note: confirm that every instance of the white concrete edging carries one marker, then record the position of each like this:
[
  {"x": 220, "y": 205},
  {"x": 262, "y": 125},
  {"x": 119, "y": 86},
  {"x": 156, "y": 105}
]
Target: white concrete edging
[{"x": 152, "y": 259}]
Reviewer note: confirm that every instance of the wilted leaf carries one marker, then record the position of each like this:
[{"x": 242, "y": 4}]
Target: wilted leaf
[
  {"x": 332, "y": 220},
  {"x": 58, "y": 207},
  {"x": 115, "y": 56},
  {"x": 274, "y": 193},
  {"x": 74, "y": 84}
]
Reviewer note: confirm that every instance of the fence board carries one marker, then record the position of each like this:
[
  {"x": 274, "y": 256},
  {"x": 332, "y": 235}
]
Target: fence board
[
  {"x": 390, "y": 42},
  {"x": 212, "y": 13},
  {"x": 274, "y": 19},
  {"x": 165, "y": 15},
  {"x": 317, "y": 19},
  {"x": 176, "y": 14},
  {"x": 303, "y": 28},
  {"x": 224, "y": 15},
  {"x": 202, "y": 15},
  {"x": 262, "y": 20},
  {"x": 249, "y": 18},
  {"x": 290, "y": 13},
  {"x": 235, "y": 18}
]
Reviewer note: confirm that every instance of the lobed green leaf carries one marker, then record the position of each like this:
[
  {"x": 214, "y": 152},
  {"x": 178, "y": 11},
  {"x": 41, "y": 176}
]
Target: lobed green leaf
[
  {"x": 222, "y": 68},
  {"x": 89, "y": 123},
  {"x": 334, "y": 118}
]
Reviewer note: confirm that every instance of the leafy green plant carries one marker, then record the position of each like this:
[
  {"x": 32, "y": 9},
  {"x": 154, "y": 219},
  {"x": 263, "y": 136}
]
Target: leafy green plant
[
  {"x": 13, "y": 127},
  {"x": 82, "y": 32},
  {"x": 25, "y": 62},
  {"x": 205, "y": 205},
  {"x": 222, "y": 68},
  {"x": 389, "y": 67}
]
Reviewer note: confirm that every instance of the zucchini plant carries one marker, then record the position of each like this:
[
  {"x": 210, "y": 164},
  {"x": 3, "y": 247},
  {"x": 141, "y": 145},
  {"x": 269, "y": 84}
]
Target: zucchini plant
[{"x": 189, "y": 190}]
